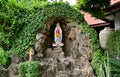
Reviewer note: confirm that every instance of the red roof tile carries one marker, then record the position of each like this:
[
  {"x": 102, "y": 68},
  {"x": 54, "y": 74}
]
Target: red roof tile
[
  {"x": 114, "y": 1},
  {"x": 96, "y": 22},
  {"x": 92, "y": 20}
]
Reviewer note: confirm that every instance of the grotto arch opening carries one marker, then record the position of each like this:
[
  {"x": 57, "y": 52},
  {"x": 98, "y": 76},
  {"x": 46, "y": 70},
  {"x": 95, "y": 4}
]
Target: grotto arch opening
[
  {"x": 67, "y": 26},
  {"x": 49, "y": 32}
]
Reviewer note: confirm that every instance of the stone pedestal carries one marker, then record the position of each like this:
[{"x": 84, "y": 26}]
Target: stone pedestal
[{"x": 55, "y": 53}]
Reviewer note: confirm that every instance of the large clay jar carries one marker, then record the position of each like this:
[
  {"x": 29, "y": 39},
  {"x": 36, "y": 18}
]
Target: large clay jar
[{"x": 103, "y": 35}]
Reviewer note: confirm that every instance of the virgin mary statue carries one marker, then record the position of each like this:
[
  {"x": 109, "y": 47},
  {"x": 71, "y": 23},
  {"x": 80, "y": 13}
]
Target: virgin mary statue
[{"x": 58, "y": 36}]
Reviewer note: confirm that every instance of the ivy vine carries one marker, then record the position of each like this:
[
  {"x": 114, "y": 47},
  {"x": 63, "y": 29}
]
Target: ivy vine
[{"x": 37, "y": 20}]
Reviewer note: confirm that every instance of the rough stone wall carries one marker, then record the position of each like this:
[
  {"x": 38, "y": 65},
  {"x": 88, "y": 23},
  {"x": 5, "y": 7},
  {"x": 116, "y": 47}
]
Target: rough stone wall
[
  {"x": 12, "y": 70},
  {"x": 71, "y": 60}
]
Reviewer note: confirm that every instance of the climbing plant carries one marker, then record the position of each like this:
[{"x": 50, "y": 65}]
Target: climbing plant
[
  {"x": 26, "y": 38},
  {"x": 97, "y": 53},
  {"x": 13, "y": 17}
]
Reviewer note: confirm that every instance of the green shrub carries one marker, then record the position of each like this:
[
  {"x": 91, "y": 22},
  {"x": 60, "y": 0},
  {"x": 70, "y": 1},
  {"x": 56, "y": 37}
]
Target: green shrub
[
  {"x": 115, "y": 67},
  {"x": 113, "y": 43},
  {"x": 22, "y": 69},
  {"x": 3, "y": 57},
  {"x": 113, "y": 49},
  {"x": 29, "y": 69},
  {"x": 33, "y": 69}
]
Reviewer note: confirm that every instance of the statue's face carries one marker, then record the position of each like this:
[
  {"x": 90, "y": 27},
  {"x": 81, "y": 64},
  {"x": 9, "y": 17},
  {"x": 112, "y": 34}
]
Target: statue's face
[{"x": 58, "y": 25}]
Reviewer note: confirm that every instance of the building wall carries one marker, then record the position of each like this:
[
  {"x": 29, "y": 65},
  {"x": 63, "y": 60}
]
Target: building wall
[{"x": 117, "y": 21}]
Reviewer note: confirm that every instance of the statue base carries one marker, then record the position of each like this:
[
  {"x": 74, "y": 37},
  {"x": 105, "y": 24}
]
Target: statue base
[{"x": 55, "y": 53}]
